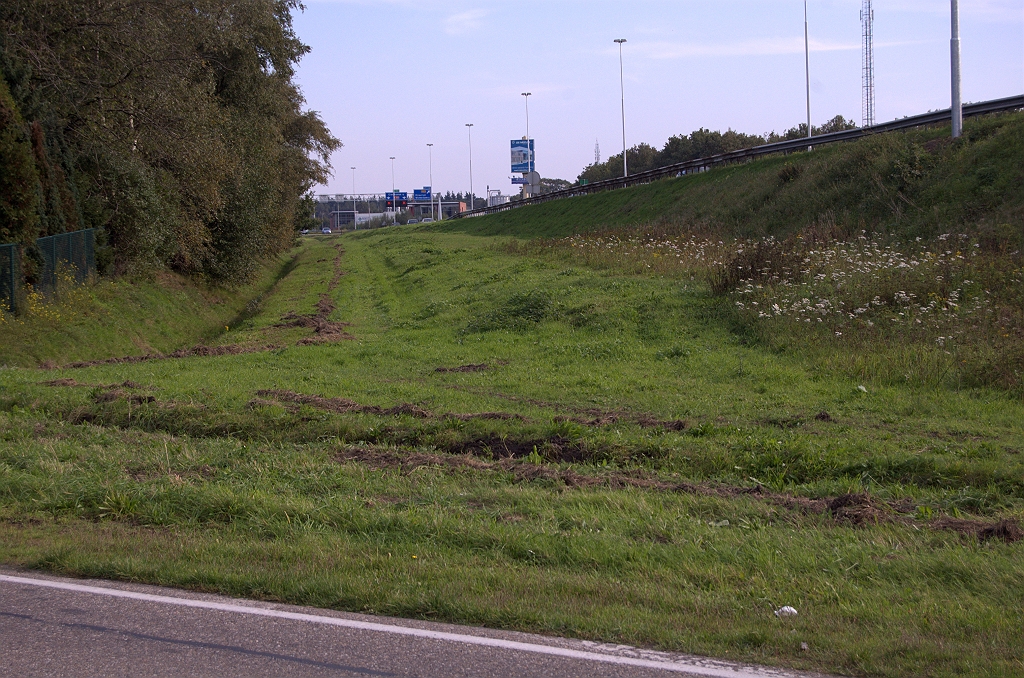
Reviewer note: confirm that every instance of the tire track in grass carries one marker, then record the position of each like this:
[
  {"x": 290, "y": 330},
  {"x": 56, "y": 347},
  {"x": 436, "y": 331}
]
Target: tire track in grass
[{"x": 858, "y": 510}]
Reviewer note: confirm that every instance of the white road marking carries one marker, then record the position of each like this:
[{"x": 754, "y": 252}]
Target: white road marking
[{"x": 695, "y": 667}]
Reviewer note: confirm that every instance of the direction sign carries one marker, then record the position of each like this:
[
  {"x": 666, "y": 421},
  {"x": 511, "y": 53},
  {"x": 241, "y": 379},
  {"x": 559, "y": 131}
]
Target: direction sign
[
  {"x": 522, "y": 155},
  {"x": 421, "y": 195},
  {"x": 403, "y": 199}
]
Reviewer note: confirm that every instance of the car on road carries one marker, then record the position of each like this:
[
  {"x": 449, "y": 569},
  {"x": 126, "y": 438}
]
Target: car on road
[
  {"x": 428, "y": 220},
  {"x": 413, "y": 221},
  {"x": 325, "y": 230}
]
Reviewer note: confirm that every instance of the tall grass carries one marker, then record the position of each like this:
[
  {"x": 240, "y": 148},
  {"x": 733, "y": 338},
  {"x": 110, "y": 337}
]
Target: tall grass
[{"x": 947, "y": 311}]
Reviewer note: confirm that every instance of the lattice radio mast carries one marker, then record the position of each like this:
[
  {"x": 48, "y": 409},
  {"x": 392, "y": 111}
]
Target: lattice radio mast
[
  {"x": 867, "y": 20},
  {"x": 597, "y": 152}
]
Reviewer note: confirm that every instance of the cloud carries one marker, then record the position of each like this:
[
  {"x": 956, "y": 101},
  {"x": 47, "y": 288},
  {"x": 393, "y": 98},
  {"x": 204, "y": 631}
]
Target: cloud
[
  {"x": 756, "y": 47},
  {"x": 464, "y": 22},
  {"x": 985, "y": 10}
]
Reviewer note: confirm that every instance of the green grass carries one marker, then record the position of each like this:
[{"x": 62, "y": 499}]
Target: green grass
[
  {"x": 200, "y": 472},
  {"x": 908, "y": 184},
  {"x": 126, "y": 316}
]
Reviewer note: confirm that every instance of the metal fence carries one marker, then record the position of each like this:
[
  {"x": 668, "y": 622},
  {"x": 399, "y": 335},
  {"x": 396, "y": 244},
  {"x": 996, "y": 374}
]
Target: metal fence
[
  {"x": 75, "y": 252},
  {"x": 10, "y": 277},
  {"x": 703, "y": 164}
]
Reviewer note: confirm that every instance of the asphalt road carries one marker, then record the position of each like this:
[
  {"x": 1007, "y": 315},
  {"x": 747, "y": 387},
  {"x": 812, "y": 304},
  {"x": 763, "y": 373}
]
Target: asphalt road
[{"x": 51, "y": 626}]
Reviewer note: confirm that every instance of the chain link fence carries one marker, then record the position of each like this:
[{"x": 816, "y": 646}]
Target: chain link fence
[
  {"x": 73, "y": 252},
  {"x": 10, "y": 277}
]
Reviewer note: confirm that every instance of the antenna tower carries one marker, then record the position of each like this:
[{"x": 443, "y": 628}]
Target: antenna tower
[
  {"x": 597, "y": 152},
  {"x": 867, "y": 20}
]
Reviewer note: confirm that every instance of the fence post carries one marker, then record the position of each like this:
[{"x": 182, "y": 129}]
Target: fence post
[{"x": 10, "y": 276}]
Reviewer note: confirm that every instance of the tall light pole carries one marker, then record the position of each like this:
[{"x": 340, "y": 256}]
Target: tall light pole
[
  {"x": 807, "y": 68},
  {"x": 622, "y": 90},
  {"x": 430, "y": 151},
  {"x": 528, "y": 149},
  {"x": 954, "y": 56},
  {"x": 355, "y": 221},
  {"x": 469, "y": 125},
  {"x": 394, "y": 198}
]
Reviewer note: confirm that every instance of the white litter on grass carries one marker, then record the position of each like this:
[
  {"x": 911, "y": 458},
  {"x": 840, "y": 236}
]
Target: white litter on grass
[
  {"x": 785, "y": 611},
  {"x": 862, "y": 388}
]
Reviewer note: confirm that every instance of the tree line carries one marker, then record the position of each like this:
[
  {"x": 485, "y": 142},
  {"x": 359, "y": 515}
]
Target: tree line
[
  {"x": 173, "y": 127},
  {"x": 699, "y": 144}
]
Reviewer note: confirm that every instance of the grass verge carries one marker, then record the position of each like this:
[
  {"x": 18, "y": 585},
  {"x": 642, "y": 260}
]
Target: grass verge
[{"x": 512, "y": 441}]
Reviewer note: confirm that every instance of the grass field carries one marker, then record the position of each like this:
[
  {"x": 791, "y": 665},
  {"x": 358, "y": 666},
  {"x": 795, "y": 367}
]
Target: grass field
[
  {"x": 446, "y": 426},
  {"x": 908, "y": 184}
]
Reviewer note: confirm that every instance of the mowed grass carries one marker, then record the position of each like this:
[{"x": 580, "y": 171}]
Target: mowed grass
[{"x": 667, "y": 491}]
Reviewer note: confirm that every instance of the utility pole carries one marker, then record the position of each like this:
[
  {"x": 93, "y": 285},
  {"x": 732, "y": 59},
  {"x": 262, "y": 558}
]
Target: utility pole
[
  {"x": 622, "y": 90},
  {"x": 528, "y": 149},
  {"x": 807, "y": 71},
  {"x": 957, "y": 109},
  {"x": 355, "y": 219},
  {"x": 394, "y": 197},
  {"x": 430, "y": 150},
  {"x": 469, "y": 126}
]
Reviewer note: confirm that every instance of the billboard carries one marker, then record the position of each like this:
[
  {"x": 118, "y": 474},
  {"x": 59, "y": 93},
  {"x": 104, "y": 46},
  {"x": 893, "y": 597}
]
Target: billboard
[
  {"x": 421, "y": 195},
  {"x": 522, "y": 155}
]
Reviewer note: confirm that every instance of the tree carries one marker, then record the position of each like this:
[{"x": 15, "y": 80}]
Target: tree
[
  {"x": 701, "y": 143},
  {"x": 173, "y": 126}
]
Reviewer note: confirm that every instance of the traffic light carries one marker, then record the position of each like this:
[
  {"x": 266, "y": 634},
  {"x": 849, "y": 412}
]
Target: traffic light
[
  {"x": 403, "y": 202},
  {"x": 391, "y": 204}
]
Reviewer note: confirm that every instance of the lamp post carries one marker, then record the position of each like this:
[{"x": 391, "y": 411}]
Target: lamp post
[
  {"x": 622, "y": 90},
  {"x": 528, "y": 149},
  {"x": 469, "y": 125},
  {"x": 807, "y": 70},
  {"x": 394, "y": 198},
  {"x": 956, "y": 105},
  {"x": 430, "y": 151},
  {"x": 355, "y": 220}
]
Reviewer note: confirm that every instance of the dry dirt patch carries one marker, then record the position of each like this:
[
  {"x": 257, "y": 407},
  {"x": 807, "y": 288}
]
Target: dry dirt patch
[
  {"x": 856, "y": 509},
  {"x": 344, "y": 406}
]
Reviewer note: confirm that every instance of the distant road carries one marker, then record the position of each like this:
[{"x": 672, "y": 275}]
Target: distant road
[{"x": 51, "y": 626}]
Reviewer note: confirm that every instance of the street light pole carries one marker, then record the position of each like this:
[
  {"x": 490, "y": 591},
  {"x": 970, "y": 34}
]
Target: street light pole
[
  {"x": 430, "y": 150},
  {"x": 807, "y": 69},
  {"x": 956, "y": 106},
  {"x": 470, "y": 126},
  {"x": 355, "y": 219},
  {"x": 622, "y": 90},
  {"x": 528, "y": 149},
  {"x": 394, "y": 198}
]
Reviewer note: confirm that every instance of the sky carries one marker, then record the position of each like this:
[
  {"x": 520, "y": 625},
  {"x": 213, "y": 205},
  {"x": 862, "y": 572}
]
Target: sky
[{"x": 391, "y": 76}]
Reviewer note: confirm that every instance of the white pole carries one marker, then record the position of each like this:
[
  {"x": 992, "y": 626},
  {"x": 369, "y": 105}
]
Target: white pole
[
  {"x": 430, "y": 148},
  {"x": 807, "y": 69},
  {"x": 394, "y": 198},
  {"x": 527, "y": 95},
  {"x": 470, "y": 126},
  {"x": 622, "y": 90},
  {"x": 954, "y": 49},
  {"x": 355, "y": 218}
]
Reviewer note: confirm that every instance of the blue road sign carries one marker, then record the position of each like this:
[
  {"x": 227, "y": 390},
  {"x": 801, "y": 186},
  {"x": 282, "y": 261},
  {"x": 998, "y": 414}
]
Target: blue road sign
[
  {"x": 522, "y": 155},
  {"x": 421, "y": 195}
]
